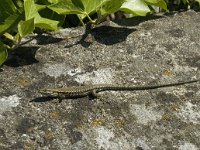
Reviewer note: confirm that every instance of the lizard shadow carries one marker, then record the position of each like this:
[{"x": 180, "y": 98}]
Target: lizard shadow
[
  {"x": 51, "y": 98},
  {"x": 43, "y": 99}
]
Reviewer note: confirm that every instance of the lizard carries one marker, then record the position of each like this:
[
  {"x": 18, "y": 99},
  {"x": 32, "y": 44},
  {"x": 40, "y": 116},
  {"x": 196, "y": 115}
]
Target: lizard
[{"x": 92, "y": 90}]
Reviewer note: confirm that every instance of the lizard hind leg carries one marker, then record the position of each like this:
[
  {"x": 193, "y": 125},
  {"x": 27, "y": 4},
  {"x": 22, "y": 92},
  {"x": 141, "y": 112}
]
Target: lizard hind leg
[{"x": 93, "y": 94}]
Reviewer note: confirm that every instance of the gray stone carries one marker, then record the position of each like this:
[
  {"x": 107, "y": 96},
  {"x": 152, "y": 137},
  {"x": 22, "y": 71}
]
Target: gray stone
[{"x": 137, "y": 51}]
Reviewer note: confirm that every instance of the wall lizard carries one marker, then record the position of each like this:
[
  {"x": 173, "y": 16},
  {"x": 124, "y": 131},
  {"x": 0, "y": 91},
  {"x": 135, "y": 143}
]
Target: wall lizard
[{"x": 92, "y": 90}]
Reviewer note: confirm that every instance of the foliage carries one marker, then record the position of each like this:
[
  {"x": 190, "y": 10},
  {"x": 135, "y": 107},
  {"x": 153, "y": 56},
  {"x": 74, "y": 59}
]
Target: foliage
[
  {"x": 176, "y": 5},
  {"x": 19, "y": 18}
]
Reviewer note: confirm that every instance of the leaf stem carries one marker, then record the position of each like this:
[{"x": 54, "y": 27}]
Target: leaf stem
[
  {"x": 81, "y": 20},
  {"x": 92, "y": 21}
]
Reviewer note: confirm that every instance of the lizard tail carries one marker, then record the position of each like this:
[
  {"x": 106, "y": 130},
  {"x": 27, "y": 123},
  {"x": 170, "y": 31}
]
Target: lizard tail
[{"x": 145, "y": 87}]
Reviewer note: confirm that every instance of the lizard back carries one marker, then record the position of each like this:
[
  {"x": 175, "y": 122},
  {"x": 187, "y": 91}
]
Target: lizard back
[{"x": 85, "y": 90}]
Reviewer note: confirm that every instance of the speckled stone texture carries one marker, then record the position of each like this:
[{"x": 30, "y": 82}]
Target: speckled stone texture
[{"x": 137, "y": 51}]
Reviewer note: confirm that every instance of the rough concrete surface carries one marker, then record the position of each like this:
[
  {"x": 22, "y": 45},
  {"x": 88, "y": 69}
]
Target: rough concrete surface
[{"x": 138, "y": 51}]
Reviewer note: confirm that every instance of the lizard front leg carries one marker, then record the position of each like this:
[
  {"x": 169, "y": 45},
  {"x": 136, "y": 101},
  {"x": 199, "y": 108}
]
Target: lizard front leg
[{"x": 93, "y": 95}]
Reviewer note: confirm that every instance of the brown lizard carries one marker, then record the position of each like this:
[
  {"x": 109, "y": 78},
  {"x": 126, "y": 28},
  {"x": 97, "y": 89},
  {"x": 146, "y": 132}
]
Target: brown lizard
[{"x": 92, "y": 90}]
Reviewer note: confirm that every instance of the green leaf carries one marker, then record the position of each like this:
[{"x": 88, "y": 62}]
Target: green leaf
[
  {"x": 152, "y": 1},
  {"x": 46, "y": 23},
  {"x": 9, "y": 36},
  {"x": 89, "y": 7},
  {"x": 66, "y": 7},
  {"x": 160, "y": 3},
  {"x": 110, "y": 6},
  {"x": 135, "y": 7},
  {"x": 26, "y": 27},
  {"x": 198, "y": 1},
  {"x": 75, "y": 6},
  {"x": 9, "y": 16},
  {"x": 83, "y": 8},
  {"x": 32, "y": 12},
  {"x": 50, "y": 14},
  {"x": 3, "y": 53},
  {"x": 30, "y": 9},
  {"x": 7, "y": 8},
  {"x": 9, "y": 23},
  {"x": 53, "y": 1},
  {"x": 40, "y": 7}
]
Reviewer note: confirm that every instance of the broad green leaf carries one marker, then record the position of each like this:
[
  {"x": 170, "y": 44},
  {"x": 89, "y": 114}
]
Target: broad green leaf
[
  {"x": 135, "y": 7},
  {"x": 42, "y": 2},
  {"x": 26, "y": 27},
  {"x": 30, "y": 9},
  {"x": 9, "y": 23},
  {"x": 152, "y": 1},
  {"x": 198, "y": 1},
  {"x": 50, "y": 14},
  {"x": 110, "y": 6},
  {"x": 40, "y": 7},
  {"x": 66, "y": 7},
  {"x": 7, "y": 8},
  {"x": 160, "y": 3},
  {"x": 89, "y": 7},
  {"x": 53, "y": 1},
  {"x": 19, "y": 3},
  {"x": 78, "y": 3},
  {"x": 3, "y": 53},
  {"x": 45, "y": 23},
  {"x": 81, "y": 7},
  {"x": 32, "y": 12},
  {"x": 9, "y": 36}
]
